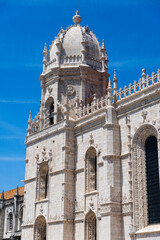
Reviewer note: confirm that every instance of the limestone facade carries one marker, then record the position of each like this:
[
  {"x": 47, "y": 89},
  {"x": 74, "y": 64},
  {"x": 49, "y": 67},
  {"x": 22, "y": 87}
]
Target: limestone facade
[{"x": 85, "y": 176}]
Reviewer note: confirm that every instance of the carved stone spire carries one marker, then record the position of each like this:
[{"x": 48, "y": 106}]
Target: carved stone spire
[
  {"x": 17, "y": 192},
  {"x": 109, "y": 93},
  {"x": 45, "y": 53},
  {"x": 58, "y": 51},
  {"x": 104, "y": 57},
  {"x": 143, "y": 77},
  {"x": 2, "y": 195},
  {"x": 29, "y": 123},
  {"x": 115, "y": 85},
  {"x": 103, "y": 45}
]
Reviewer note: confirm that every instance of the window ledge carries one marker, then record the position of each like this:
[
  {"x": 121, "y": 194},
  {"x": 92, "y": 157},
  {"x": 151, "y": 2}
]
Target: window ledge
[
  {"x": 42, "y": 200},
  {"x": 91, "y": 193},
  {"x": 149, "y": 229}
]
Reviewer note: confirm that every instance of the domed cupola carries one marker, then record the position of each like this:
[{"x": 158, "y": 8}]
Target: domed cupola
[{"x": 76, "y": 46}]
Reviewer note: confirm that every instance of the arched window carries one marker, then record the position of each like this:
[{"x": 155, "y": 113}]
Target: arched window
[
  {"x": 49, "y": 119},
  {"x": 153, "y": 187},
  {"x": 146, "y": 177},
  {"x": 91, "y": 170},
  {"x": 90, "y": 226},
  {"x": 51, "y": 114},
  {"x": 10, "y": 222},
  {"x": 43, "y": 181},
  {"x": 40, "y": 228}
]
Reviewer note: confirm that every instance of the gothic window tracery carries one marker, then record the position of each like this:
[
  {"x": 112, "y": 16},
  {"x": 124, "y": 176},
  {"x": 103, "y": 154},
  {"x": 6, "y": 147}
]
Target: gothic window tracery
[
  {"x": 90, "y": 226},
  {"x": 40, "y": 228},
  {"x": 10, "y": 221},
  {"x": 43, "y": 181},
  {"x": 146, "y": 177},
  {"x": 91, "y": 170},
  {"x": 153, "y": 191}
]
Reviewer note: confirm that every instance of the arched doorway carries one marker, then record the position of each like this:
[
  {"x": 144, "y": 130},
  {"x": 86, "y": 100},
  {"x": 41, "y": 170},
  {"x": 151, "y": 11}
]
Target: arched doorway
[
  {"x": 40, "y": 228},
  {"x": 90, "y": 226}
]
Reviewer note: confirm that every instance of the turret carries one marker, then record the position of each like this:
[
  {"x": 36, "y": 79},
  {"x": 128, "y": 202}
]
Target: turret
[
  {"x": 104, "y": 57},
  {"x": 45, "y": 53},
  {"x": 115, "y": 85},
  {"x": 29, "y": 124}
]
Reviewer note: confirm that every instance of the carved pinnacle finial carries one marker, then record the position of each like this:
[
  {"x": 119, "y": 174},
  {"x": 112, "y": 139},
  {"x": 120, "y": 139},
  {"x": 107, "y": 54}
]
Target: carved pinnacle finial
[
  {"x": 45, "y": 48},
  {"x": 77, "y": 18},
  {"x": 17, "y": 193},
  {"x": 30, "y": 117},
  {"x": 109, "y": 93},
  {"x": 2, "y": 195},
  {"x": 115, "y": 74},
  {"x": 109, "y": 83},
  {"x": 103, "y": 44},
  {"x": 143, "y": 72}
]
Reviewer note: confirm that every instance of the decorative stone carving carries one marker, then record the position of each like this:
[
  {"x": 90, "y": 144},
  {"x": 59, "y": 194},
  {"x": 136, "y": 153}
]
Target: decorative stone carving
[
  {"x": 91, "y": 140},
  {"x": 44, "y": 156},
  {"x": 144, "y": 115},
  {"x": 70, "y": 90},
  {"x": 50, "y": 90},
  {"x": 41, "y": 209}
]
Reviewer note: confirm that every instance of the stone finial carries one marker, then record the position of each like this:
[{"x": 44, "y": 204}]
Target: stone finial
[
  {"x": 2, "y": 195},
  {"x": 45, "y": 49},
  {"x": 143, "y": 78},
  {"x": 29, "y": 123},
  {"x": 77, "y": 18},
  {"x": 45, "y": 53},
  {"x": 17, "y": 192},
  {"x": 109, "y": 84},
  {"x": 115, "y": 75},
  {"x": 115, "y": 80},
  {"x": 30, "y": 118},
  {"x": 109, "y": 93},
  {"x": 115, "y": 85},
  {"x": 143, "y": 72},
  {"x": 103, "y": 44},
  {"x": 104, "y": 57}
]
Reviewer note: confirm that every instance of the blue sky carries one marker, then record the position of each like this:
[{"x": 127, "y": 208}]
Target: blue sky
[{"x": 132, "y": 37}]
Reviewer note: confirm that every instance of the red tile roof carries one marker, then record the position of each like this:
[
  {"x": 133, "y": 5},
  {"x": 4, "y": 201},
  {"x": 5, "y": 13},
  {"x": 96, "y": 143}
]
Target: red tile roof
[{"x": 10, "y": 194}]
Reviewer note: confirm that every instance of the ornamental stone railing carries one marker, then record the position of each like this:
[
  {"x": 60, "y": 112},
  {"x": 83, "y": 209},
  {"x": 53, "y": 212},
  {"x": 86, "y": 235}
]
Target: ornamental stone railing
[
  {"x": 50, "y": 64},
  {"x": 96, "y": 64},
  {"x": 144, "y": 82},
  {"x": 71, "y": 59},
  {"x": 94, "y": 106}
]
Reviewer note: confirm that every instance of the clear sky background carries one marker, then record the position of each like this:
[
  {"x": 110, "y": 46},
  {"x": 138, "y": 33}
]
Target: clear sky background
[{"x": 131, "y": 29}]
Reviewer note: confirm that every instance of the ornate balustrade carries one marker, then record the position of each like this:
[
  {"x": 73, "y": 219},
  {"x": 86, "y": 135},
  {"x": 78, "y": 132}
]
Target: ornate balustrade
[
  {"x": 71, "y": 59},
  {"x": 144, "y": 82},
  {"x": 50, "y": 64},
  {"x": 96, "y": 105}
]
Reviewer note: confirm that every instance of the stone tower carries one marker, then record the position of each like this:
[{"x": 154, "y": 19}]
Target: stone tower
[
  {"x": 75, "y": 74},
  {"x": 92, "y": 158}
]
